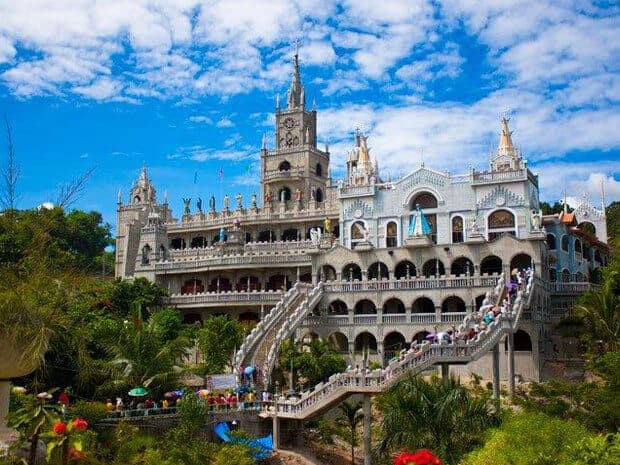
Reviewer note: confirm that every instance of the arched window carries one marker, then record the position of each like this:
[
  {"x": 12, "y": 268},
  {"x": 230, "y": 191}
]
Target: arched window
[
  {"x": 565, "y": 243},
  {"x": 378, "y": 270},
  {"x": 337, "y": 307},
  {"x": 404, "y": 269},
  {"x": 357, "y": 233},
  {"x": 248, "y": 283},
  {"x": 491, "y": 265},
  {"x": 522, "y": 341},
  {"x": 391, "y": 230},
  {"x": 192, "y": 286},
  {"x": 433, "y": 267},
  {"x": 393, "y": 343},
  {"x": 328, "y": 273},
  {"x": 365, "y": 307},
  {"x": 177, "y": 243},
  {"x": 338, "y": 342},
  {"x": 136, "y": 199},
  {"x": 425, "y": 200},
  {"x": 423, "y": 305},
  {"x": 319, "y": 170},
  {"x": 365, "y": 342},
  {"x": 284, "y": 194},
  {"x": 352, "y": 272},
  {"x": 579, "y": 277},
  {"x": 501, "y": 222},
  {"x": 318, "y": 196},
  {"x": 565, "y": 276},
  {"x": 146, "y": 254},
  {"x": 578, "y": 246},
  {"x": 284, "y": 166},
  {"x": 393, "y": 306},
  {"x": 462, "y": 266},
  {"x": 198, "y": 242},
  {"x": 553, "y": 275},
  {"x": 551, "y": 241},
  {"x": 457, "y": 229},
  {"x": 453, "y": 304},
  {"x": 521, "y": 261}
]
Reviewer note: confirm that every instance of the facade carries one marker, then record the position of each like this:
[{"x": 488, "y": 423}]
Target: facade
[{"x": 398, "y": 259}]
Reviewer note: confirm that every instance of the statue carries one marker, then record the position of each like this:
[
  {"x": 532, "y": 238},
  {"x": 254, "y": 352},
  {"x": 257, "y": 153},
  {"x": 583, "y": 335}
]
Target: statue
[
  {"x": 199, "y": 205},
  {"x": 536, "y": 220},
  {"x": 313, "y": 194},
  {"x": 236, "y": 224},
  {"x": 282, "y": 195},
  {"x": 239, "y": 199},
  {"x": 473, "y": 227},
  {"x": 253, "y": 199},
  {"x": 226, "y": 202},
  {"x": 222, "y": 234},
  {"x": 328, "y": 225},
  {"x": 366, "y": 233},
  {"x": 268, "y": 196},
  {"x": 212, "y": 203},
  {"x": 187, "y": 207},
  {"x": 297, "y": 194},
  {"x": 315, "y": 236},
  {"x": 418, "y": 224}
]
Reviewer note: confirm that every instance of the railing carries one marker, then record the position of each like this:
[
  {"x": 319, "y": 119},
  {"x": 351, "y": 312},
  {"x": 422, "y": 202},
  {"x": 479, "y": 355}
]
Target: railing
[
  {"x": 277, "y": 246},
  {"x": 215, "y": 408},
  {"x": 415, "y": 283},
  {"x": 493, "y": 176},
  {"x": 394, "y": 319},
  {"x": 233, "y": 296},
  {"x": 356, "y": 191},
  {"x": 571, "y": 288},
  {"x": 455, "y": 317},
  {"x": 365, "y": 319},
  {"x": 423, "y": 318},
  {"x": 266, "y": 259},
  {"x": 343, "y": 384},
  {"x": 277, "y": 174}
]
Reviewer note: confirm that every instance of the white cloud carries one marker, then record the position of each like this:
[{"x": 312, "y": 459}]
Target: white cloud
[
  {"x": 101, "y": 89},
  {"x": 201, "y": 119},
  {"x": 225, "y": 123}
]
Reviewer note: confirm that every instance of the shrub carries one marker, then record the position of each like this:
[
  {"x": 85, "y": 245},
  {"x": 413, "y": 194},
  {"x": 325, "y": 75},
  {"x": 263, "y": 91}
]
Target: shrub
[{"x": 92, "y": 412}]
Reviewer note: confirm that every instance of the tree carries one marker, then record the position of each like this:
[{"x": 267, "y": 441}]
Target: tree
[
  {"x": 549, "y": 209},
  {"x": 445, "y": 418},
  {"x": 314, "y": 359},
  {"x": 601, "y": 312},
  {"x": 217, "y": 340},
  {"x": 351, "y": 416},
  {"x": 10, "y": 173}
]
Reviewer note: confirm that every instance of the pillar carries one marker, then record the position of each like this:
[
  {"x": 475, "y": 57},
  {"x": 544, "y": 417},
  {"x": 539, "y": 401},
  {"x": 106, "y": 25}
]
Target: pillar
[
  {"x": 496, "y": 372},
  {"x": 445, "y": 373},
  {"x": 276, "y": 430},
  {"x": 511, "y": 363},
  {"x": 367, "y": 421}
]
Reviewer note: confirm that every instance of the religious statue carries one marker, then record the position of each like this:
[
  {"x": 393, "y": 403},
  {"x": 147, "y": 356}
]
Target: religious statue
[
  {"x": 473, "y": 227},
  {"x": 226, "y": 202},
  {"x": 418, "y": 224},
  {"x": 236, "y": 224},
  {"x": 313, "y": 194},
  {"x": 199, "y": 205},
  {"x": 212, "y": 203},
  {"x": 239, "y": 199},
  {"x": 328, "y": 225},
  {"x": 283, "y": 196},
  {"x": 253, "y": 199},
  {"x": 536, "y": 220},
  {"x": 187, "y": 207},
  {"x": 268, "y": 196},
  {"x": 315, "y": 236},
  {"x": 366, "y": 233},
  {"x": 297, "y": 194},
  {"x": 222, "y": 234}
]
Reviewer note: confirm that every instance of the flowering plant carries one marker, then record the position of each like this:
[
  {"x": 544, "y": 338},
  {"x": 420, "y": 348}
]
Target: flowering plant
[
  {"x": 421, "y": 457},
  {"x": 67, "y": 437}
]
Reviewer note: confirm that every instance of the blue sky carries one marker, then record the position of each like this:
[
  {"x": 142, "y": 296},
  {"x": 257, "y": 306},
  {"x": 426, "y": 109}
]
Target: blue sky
[{"x": 189, "y": 86}]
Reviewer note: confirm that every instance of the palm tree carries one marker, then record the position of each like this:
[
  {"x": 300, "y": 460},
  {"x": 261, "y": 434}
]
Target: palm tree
[
  {"x": 601, "y": 311},
  {"x": 350, "y": 416},
  {"x": 421, "y": 414}
]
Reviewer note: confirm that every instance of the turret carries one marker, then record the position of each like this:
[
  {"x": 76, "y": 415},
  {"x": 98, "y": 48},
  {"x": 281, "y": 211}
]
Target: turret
[
  {"x": 507, "y": 157},
  {"x": 143, "y": 191},
  {"x": 296, "y": 94}
]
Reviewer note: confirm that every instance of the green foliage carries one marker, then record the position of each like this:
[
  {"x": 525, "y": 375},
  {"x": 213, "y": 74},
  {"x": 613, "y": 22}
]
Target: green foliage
[
  {"x": 598, "y": 450},
  {"x": 421, "y": 414},
  {"x": 350, "y": 417},
  {"x": 92, "y": 412},
  {"x": 192, "y": 413},
  {"x": 313, "y": 360},
  {"x": 548, "y": 209},
  {"x": 613, "y": 222},
  {"x": 537, "y": 439},
  {"x": 127, "y": 297},
  {"x": 218, "y": 339}
]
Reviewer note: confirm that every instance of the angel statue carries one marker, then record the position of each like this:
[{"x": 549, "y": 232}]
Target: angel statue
[{"x": 187, "y": 202}]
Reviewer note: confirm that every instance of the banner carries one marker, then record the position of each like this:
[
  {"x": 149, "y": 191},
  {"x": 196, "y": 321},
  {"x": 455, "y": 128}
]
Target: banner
[{"x": 221, "y": 382}]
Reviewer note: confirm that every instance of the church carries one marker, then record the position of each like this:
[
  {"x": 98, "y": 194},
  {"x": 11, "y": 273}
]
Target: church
[{"x": 394, "y": 259}]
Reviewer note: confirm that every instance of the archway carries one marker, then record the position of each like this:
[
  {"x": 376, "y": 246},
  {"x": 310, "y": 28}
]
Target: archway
[
  {"x": 393, "y": 343},
  {"x": 501, "y": 222},
  {"x": 284, "y": 166},
  {"x": 423, "y": 305},
  {"x": 338, "y": 342},
  {"x": 198, "y": 242},
  {"x": 479, "y": 301},
  {"x": 290, "y": 234},
  {"x": 328, "y": 273},
  {"x": 220, "y": 285},
  {"x": 553, "y": 275},
  {"x": 319, "y": 170},
  {"x": 278, "y": 282},
  {"x": 404, "y": 269},
  {"x": 248, "y": 283},
  {"x": 491, "y": 265},
  {"x": 378, "y": 270},
  {"x": 551, "y": 241},
  {"x": 425, "y": 200},
  {"x": 192, "y": 286},
  {"x": 393, "y": 305},
  {"x": 522, "y": 341},
  {"x": 565, "y": 276},
  {"x": 318, "y": 195},
  {"x": 266, "y": 236},
  {"x": 177, "y": 243},
  {"x": 358, "y": 232},
  {"x": 365, "y": 342},
  {"x": 453, "y": 304},
  {"x": 419, "y": 337},
  {"x": 337, "y": 307},
  {"x": 433, "y": 267},
  {"x": 365, "y": 307},
  {"x": 352, "y": 272},
  {"x": 284, "y": 194},
  {"x": 462, "y": 266},
  {"x": 521, "y": 261}
]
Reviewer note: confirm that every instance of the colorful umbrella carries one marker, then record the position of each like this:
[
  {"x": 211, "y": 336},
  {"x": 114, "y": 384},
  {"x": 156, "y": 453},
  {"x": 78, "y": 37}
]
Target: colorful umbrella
[
  {"x": 202, "y": 393},
  {"x": 179, "y": 392},
  {"x": 138, "y": 392}
]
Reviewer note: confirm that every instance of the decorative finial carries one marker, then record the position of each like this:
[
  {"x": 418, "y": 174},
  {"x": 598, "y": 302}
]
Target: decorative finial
[
  {"x": 313, "y": 104},
  {"x": 278, "y": 101},
  {"x": 264, "y": 147},
  {"x": 565, "y": 204},
  {"x": 119, "y": 197},
  {"x": 166, "y": 197}
]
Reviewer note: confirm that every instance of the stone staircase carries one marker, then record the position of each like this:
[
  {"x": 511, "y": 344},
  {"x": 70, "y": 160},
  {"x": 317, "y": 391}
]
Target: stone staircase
[{"x": 341, "y": 385}]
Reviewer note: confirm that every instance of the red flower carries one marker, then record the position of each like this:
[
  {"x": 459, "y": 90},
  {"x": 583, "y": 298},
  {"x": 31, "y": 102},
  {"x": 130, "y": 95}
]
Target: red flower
[
  {"x": 80, "y": 425},
  {"x": 59, "y": 428},
  {"x": 421, "y": 457},
  {"x": 75, "y": 453}
]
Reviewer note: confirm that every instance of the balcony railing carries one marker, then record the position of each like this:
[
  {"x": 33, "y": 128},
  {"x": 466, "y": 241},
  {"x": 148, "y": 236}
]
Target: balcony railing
[
  {"x": 494, "y": 176},
  {"x": 390, "y": 319},
  {"x": 571, "y": 288},
  {"x": 258, "y": 297},
  {"x": 412, "y": 283},
  {"x": 228, "y": 260}
]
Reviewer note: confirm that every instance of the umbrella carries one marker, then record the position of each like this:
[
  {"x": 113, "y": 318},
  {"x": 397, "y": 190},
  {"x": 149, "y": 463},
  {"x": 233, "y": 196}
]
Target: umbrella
[
  {"x": 202, "y": 393},
  {"x": 170, "y": 394},
  {"x": 430, "y": 336},
  {"x": 179, "y": 392},
  {"x": 248, "y": 371},
  {"x": 138, "y": 392},
  {"x": 514, "y": 271}
]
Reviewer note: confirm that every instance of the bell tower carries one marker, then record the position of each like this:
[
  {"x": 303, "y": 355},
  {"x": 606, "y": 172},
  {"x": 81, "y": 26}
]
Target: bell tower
[{"x": 295, "y": 170}]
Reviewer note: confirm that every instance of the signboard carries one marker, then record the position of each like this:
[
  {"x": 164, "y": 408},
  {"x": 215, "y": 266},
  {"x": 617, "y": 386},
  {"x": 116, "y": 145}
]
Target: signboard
[{"x": 221, "y": 382}]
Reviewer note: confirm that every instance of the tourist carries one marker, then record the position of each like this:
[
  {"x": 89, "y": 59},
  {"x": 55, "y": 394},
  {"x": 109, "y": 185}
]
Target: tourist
[
  {"x": 148, "y": 403},
  {"x": 109, "y": 406},
  {"x": 164, "y": 404}
]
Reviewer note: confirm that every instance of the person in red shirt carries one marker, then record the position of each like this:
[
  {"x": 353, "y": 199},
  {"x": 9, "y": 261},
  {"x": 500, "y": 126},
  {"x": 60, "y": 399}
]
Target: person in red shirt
[{"x": 63, "y": 398}]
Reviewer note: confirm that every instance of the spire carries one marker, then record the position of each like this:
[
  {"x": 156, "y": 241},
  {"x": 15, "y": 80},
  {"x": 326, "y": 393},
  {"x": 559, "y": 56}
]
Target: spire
[
  {"x": 565, "y": 204},
  {"x": 165, "y": 197},
  {"x": 296, "y": 95},
  {"x": 264, "y": 147},
  {"x": 363, "y": 160},
  {"x": 505, "y": 146},
  {"x": 119, "y": 197},
  {"x": 277, "y": 101}
]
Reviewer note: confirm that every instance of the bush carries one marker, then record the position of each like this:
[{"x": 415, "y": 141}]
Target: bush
[
  {"x": 530, "y": 439},
  {"x": 92, "y": 412}
]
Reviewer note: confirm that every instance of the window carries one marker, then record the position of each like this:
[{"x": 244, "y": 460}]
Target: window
[
  {"x": 551, "y": 241},
  {"x": 358, "y": 231},
  {"x": 457, "y": 229},
  {"x": 319, "y": 170},
  {"x": 318, "y": 195},
  {"x": 391, "y": 239},
  {"x": 146, "y": 254},
  {"x": 501, "y": 222},
  {"x": 284, "y": 194},
  {"x": 565, "y": 243},
  {"x": 578, "y": 246},
  {"x": 425, "y": 200},
  {"x": 284, "y": 166},
  {"x": 553, "y": 275}
]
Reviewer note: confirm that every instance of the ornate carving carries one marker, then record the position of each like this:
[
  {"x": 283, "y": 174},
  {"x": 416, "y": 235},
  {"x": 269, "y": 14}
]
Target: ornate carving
[
  {"x": 424, "y": 176},
  {"x": 358, "y": 205},
  {"x": 500, "y": 196}
]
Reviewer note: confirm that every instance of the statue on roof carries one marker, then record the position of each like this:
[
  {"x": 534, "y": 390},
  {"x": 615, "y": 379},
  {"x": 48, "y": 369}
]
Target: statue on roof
[
  {"x": 199, "y": 205},
  {"x": 186, "y": 203}
]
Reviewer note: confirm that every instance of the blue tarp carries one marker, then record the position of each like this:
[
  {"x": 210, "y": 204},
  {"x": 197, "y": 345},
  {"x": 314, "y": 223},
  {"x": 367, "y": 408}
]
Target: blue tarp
[{"x": 263, "y": 447}]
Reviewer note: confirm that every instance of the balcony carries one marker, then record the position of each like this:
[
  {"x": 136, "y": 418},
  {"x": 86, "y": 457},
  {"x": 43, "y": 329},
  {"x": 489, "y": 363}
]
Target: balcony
[
  {"x": 232, "y": 261},
  {"x": 277, "y": 175},
  {"x": 386, "y": 319},
  {"x": 574, "y": 288},
  {"x": 488, "y": 177},
  {"x": 206, "y": 299},
  {"x": 446, "y": 282},
  {"x": 356, "y": 191}
]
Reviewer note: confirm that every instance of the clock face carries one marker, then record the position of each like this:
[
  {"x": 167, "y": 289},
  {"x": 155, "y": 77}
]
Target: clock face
[
  {"x": 289, "y": 123},
  {"x": 358, "y": 213}
]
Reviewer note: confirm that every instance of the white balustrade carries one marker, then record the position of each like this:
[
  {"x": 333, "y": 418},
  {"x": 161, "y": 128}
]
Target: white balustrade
[
  {"x": 423, "y": 318},
  {"x": 394, "y": 319}
]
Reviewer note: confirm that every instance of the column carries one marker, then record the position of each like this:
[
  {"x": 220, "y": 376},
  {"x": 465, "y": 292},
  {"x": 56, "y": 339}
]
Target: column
[
  {"x": 367, "y": 420},
  {"x": 511, "y": 362},
  {"x": 496, "y": 372},
  {"x": 445, "y": 373},
  {"x": 276, "y": 428}
]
